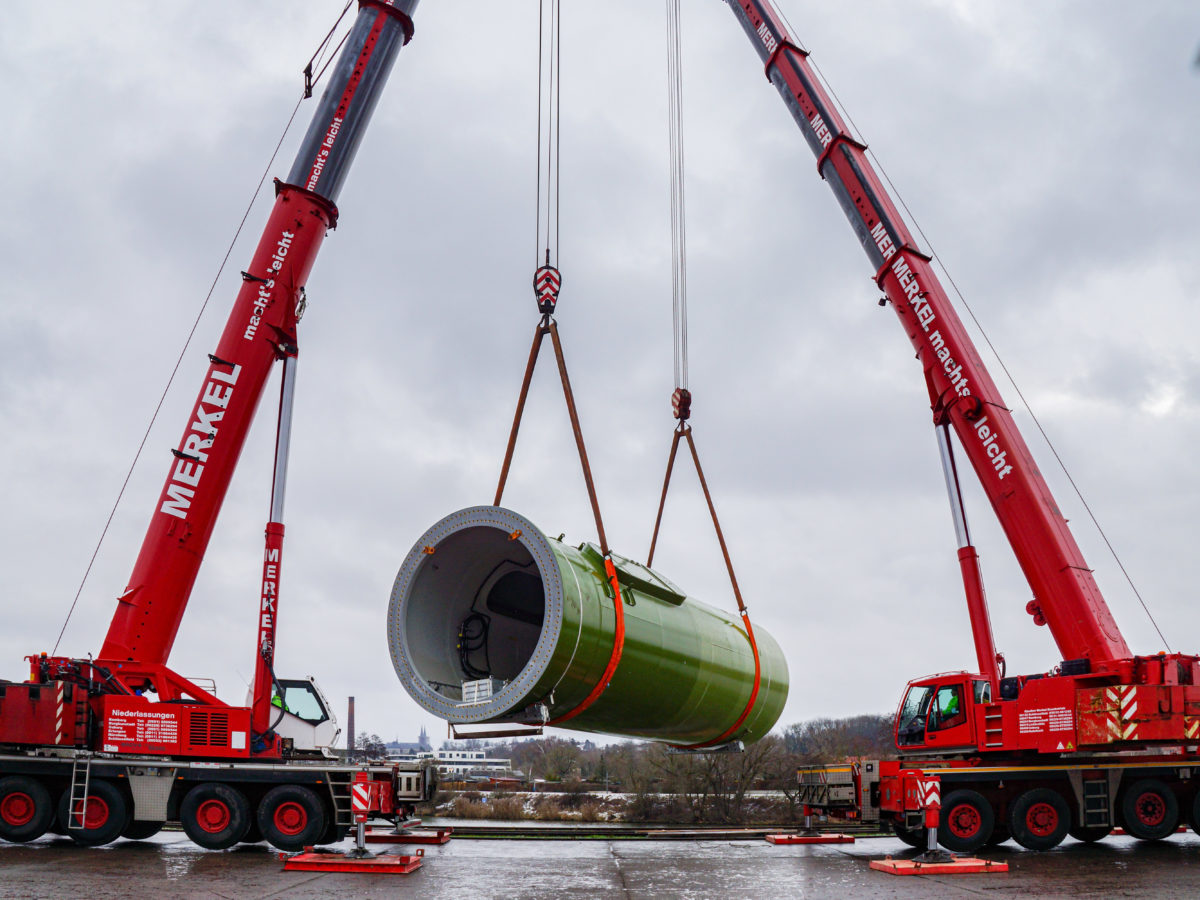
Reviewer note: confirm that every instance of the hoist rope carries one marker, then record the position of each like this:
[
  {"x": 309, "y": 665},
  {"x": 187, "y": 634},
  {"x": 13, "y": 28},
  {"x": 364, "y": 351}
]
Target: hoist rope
[
  {"x": 192, "y": 332},
  {"x": 1000, "y": 361},
  {"x": 681, "y": 399},
  {"x": 548, "y": 131},
  {"x": 678, "y": 207}
]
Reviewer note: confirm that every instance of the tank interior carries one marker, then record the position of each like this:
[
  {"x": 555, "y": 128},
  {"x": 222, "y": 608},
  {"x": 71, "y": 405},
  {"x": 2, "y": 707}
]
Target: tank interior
[{"x": 475, "y": 611}]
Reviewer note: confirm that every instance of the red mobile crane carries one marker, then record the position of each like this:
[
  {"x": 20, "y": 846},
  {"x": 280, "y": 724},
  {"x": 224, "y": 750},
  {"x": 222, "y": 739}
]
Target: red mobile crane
[
  {"x": 120, "y": 744},
  {"x": 1106, "y": 738}
]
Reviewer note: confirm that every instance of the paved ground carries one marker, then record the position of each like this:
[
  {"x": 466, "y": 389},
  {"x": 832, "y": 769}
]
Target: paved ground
[{"x": 171, "y": 867}]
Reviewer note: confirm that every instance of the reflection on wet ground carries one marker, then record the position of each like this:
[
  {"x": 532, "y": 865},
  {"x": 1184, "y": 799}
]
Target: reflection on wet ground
[{"x": 169, "y": 865}]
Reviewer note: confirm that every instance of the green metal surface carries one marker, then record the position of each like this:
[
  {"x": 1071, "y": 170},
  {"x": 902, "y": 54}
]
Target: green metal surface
[{"x": 686, "y": 670}]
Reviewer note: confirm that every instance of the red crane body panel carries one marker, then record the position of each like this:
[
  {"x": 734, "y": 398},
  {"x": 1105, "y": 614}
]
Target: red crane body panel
[{"x": 264, "y": 317}]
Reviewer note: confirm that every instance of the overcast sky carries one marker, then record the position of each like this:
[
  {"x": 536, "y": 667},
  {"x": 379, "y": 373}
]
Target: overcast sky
[{"x": 1048, "y": 151}]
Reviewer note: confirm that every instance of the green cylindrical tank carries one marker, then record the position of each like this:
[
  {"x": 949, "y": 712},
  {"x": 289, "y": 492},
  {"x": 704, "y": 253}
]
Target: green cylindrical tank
[{"x": 491, "y": 621}]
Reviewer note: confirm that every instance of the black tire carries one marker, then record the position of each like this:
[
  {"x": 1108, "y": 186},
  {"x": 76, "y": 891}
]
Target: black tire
[
  {"x": 914, "y": 837},
  {"x": 1089, "y": 835},
  {"x": 333, "y": 832},
  {"x": 138, "y": 830},
  {"x": 965, "y": 821},
  {"x": 999, "y": 835},
  {"x": 106, "y": 815},
  {"x": 1039, "y": 819},
  {"x": 291, "y": 817},
  {"x": 1196, "y": 814},
  {"x": 1149, "y": 810},
  {"x": 253, "y": 834},
  {"x": 215, "y": 816},
  {"x": 26, "y": 810}
]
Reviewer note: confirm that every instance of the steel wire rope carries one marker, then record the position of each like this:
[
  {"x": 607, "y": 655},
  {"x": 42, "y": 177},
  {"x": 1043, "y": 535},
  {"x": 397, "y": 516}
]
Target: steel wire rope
[
  {"x": 678, "y": 197},
  {"x": 549, "y": 74},
  {"x": 681, "y": 398},
  {"x": 311, "y": 81},
  {"x": 192, "y": 333},
  {"x": 995, "y": 353}
]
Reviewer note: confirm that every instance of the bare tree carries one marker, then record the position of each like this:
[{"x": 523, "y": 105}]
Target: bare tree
[{"x": 731, "y": 776}]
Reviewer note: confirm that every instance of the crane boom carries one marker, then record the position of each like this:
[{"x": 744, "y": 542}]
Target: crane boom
[
  {"x": 963, "y": 393},
  {"x": 261, "y": 330}
]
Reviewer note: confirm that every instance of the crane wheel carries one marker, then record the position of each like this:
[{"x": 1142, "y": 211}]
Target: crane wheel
[
  {"x": 1196, "y": 814},
  {"x": 1039, "y": 819},
  {"x": 26, "y": 810},
  {"x": 104, "y": 816},
  {"x": 999, "y": 835},
  {"x": 291, "y": 817},
  {"x": 138, "y": 830},
  {"x": 1149, "y": 810},
  {"x": 965, "y": 822},
  {"x": 1089, "y": 835},
  {"x": 215, "y": 816}
]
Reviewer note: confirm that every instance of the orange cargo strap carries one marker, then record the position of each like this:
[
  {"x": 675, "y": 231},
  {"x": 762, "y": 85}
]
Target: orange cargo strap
[{"x": 618, "y": 646}]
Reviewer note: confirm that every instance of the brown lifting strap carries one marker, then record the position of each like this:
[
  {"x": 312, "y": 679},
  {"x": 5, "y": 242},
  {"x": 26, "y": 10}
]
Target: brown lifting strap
[
  {"x": 548, "y": 326},
  {"x": 681, "y": 402}
]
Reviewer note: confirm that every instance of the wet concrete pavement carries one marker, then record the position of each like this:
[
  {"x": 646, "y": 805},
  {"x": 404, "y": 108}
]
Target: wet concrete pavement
[{"x": 170, "y": 866}]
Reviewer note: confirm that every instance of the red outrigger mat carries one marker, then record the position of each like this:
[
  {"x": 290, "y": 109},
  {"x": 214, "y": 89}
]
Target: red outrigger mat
[
  {"x": 963, "y": 865},
  {"x": 389, "y": 836},
  {"x": 386, "y": 864},
  {"x": 810, "y": 838}
]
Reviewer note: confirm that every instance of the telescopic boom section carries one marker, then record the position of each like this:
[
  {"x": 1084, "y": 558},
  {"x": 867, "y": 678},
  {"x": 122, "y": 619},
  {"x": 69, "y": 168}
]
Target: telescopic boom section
[
  {"x": 966, "y": 397},
  {"x": 261, "y": 330}
]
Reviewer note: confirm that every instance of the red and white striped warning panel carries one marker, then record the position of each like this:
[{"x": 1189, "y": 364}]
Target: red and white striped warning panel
[
  {"x": 547, "y": 281},
  {"x": 1122, "y": 707},
  {"x": 360, "y": 794},
  {"x": 929, "y": 790}
]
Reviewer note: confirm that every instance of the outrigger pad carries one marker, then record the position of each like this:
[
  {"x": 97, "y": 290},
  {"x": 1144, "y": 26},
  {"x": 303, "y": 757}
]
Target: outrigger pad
[
  {"x": 810, "y": 838},
  {"x": 425, "y": 836},
  {"x": 960, "y": 865},
  {"x": 386, "y": 864}
]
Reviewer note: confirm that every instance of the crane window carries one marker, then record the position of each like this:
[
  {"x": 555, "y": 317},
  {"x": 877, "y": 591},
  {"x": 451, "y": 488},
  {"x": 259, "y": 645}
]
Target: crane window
[
  {"x": 301, "y": 701},
  {"x": 910, "y": 727},
  {"x": 948, "y": 708}
]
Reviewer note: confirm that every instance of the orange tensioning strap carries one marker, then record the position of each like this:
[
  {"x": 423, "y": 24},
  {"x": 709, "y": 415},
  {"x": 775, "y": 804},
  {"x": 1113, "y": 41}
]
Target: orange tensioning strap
[
  {"x": 749, "y": 704},
  {"x": 618, "y": 645}
]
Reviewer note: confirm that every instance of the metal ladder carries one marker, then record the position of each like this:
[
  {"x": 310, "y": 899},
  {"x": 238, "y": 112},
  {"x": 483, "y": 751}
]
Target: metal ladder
[
  {"x": 81, "y": 782},
  {"x": 1095, "y": 804},
  {"x": 993, "y": 726},
  {"x": 343, "y": 814}
]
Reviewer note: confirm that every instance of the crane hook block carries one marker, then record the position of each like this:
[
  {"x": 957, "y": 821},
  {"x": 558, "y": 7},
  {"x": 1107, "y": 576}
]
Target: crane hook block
[
  {"x": 681, "y": 404},
  {"x": 547, "y": 281}
]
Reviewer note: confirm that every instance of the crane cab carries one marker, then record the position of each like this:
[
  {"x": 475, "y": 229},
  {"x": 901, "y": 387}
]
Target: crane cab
[
  {"x": 302, "y": 713},
  {"x": 938, "y": 713}
]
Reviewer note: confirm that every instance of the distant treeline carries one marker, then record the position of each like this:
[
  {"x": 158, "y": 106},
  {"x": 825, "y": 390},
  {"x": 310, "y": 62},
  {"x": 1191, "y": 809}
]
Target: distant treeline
[{"x": 696, "y": 787}]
